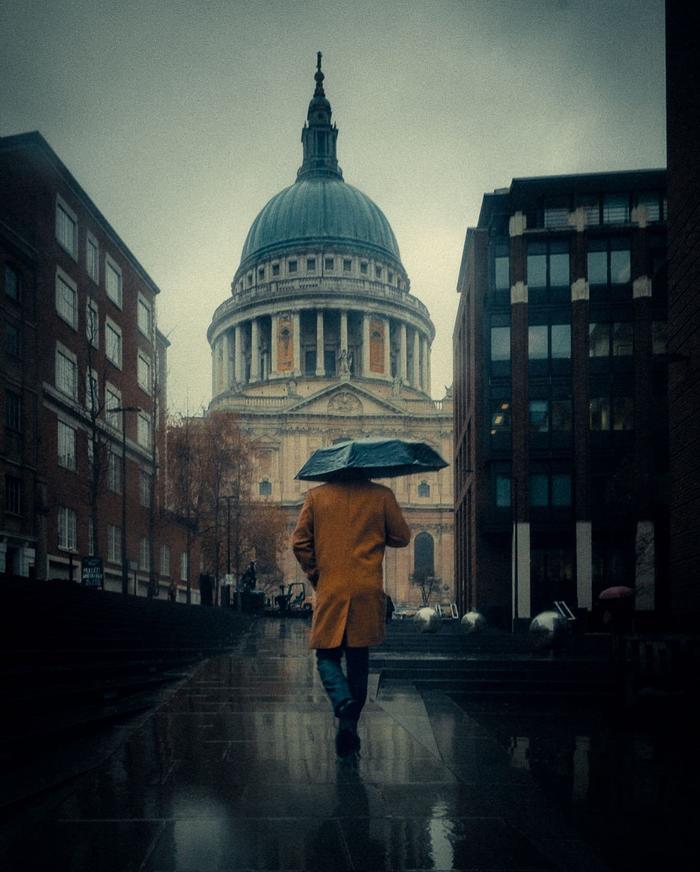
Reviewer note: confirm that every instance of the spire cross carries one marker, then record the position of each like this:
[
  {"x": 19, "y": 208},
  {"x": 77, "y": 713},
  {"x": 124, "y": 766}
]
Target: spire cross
[{"x": 319, "y": 55}]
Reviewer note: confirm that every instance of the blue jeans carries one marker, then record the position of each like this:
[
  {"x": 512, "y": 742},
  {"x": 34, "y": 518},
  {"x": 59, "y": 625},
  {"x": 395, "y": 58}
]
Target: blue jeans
[{"x": 337, "y": 685}]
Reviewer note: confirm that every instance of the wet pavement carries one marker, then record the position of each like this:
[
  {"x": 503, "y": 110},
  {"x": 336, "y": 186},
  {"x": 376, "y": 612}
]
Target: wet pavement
[{"x": 237, "y": 771}]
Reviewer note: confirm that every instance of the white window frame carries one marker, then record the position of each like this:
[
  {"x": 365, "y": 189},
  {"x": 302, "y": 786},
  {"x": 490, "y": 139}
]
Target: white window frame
[
  {"x": 110, "y": 263},
  {"x": 67, "y": 529},
  {"x": 62, "y": 208},
  {"x": 114, "y": 472},
  {"x": 165, "y": 560},
  {"x": 114, "y": 544},
  {"x": 183, "y": 566},
  {"x": 144, "y": 555},
  {"x": 144, "y": 488},
  {"x": 67, "y": 310},
  {"x": 93, "y": 269},
  {"x": 143, "y": 359},
  {"x": 62, "y": 351},
  {"x": 143, "y": 427},
  {"x": 144, "y": 306},
  {"x": 112, "y": 325},
  {"x": 66, "y": 442},
  {"x": 92, "y": 322},
  {"x": 114, "y": 419}
]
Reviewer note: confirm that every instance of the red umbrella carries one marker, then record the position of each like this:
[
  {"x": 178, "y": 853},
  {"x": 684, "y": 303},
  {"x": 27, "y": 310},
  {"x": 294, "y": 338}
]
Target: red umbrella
[{"x": 617, "y": 592}]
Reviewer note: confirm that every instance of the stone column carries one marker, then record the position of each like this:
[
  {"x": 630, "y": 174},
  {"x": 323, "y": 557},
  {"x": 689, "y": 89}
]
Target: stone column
[
  {"x": 214, "y": 372},
  {"x": 365, "y": 345},
  {"x": 296, "y": 347},
  {"x": 403, "y": 353},
  {"x": 428, "y": 374},
  {"x": 275, "y": 323},
  {"x": 254, "y": 351},
  {"x": 228, "y": 360},
  {"x": 238, "y": 364},
  {"x": 387, "y": 347},
  {"x": 415, "y": 375},
  {"x": 320, "y": 347},
  {"x": 343, "y": 331},
  {"x": 424, "y": 363}
]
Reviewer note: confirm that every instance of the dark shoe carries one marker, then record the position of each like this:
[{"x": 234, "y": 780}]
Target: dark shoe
[
  {"x": 346, "y": 743},
  {"x": 349, "y": 709}
]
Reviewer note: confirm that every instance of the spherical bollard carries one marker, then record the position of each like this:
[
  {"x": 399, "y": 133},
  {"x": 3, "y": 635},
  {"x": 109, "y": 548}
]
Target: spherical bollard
[
  {"x": 548, "y": 630},
  {"x": 473, "y": 622},
  {"x": 428, "y": 620}
]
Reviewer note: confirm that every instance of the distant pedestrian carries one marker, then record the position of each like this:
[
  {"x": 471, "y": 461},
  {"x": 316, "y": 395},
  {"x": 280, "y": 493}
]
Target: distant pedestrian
[
  {"x": 339, "y": 540},
  {"x": 172, "y": 592},
  {"x": 390, "y": 609}
]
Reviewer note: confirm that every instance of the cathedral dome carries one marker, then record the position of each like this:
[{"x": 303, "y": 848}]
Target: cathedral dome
[{"x": 320, "y": 209}]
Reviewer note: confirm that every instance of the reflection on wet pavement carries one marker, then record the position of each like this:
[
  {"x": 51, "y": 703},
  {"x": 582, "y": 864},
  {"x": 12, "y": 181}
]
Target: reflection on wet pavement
[{"x": 237, "y": 770}]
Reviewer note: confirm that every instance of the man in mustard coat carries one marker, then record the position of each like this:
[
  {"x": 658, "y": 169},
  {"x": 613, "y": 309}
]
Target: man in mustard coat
[{"x": 339, "y": 540}]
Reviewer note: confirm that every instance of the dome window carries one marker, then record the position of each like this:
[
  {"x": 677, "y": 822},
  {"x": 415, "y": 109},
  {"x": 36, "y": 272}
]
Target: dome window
[
  {"x": 390, "y": 277},
  {"x": 250, "y": 279},
  {"x": 292, "y": 266},
  {"x": 275, "y": 269},
  {"x": 329, "y": 263},
  {"x": 347, "y": 264},
  {"x": 261, "y": 273},
  {"x": 363, "y": 268},
  {"x": 378, "y": 272},
  {"x": 311, "y": 264},
  {"x": 424, "y": 489},
  {"x": 265, "y": 488}
]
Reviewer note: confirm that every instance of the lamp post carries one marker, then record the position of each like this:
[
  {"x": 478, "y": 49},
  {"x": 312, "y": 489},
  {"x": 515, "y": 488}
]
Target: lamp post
[{"x": 125, "y": 563}]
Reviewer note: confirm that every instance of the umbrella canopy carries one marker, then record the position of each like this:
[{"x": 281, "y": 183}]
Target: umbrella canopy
[
  {"x": 619, "y": 591},
  {"x": 370, "y": 458}
]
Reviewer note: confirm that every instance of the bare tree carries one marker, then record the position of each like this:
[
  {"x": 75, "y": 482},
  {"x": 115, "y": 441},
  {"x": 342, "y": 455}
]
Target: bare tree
[{"x": 426, "y": 582}]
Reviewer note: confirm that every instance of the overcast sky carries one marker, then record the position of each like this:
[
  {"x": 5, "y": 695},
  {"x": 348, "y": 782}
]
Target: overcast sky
[{"x": 181, "y": 119}]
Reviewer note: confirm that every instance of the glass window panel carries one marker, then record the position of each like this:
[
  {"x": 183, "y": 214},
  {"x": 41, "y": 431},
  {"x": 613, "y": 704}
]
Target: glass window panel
[
  {"x": 651, "y": 203},
  {"x": 597, "y": 268},
  {"x": 113, "y": 282},
  {"x": 616, "y": 209},
  {"x": 620, "y": 267},
  {"x": 599, "y": 413},
  {"x": 590, "y": 207},
  {"x": 502, "y": 273},
  {"x": 561, "y": 341},
  {"x": 503, "y": 488},
  {"x": 561, "y": 415},
  {"x": 559, "y": 270},
  {"x": 500, "y": 416},
  {"x": 11, "y": 283},
  {"x": 539, "y": 490},
  {"x": 599, "y": 340},
  {"x": 659, "y": 337},
  {"x": 500, "y": 343},
  {"x": 66, "y": 301},
  {"x": 538, "y": 342},
  {"x": 539, "y": 416},
  {"x": 537, "y": 270},
  {"x": 623, "y": 413},
  {"x": 561, "y": 490},
  {"x": 622, "y": 339}
]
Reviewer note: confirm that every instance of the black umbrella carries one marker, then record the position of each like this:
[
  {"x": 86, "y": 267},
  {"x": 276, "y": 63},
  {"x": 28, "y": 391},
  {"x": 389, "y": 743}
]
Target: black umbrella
[{"x": 370, "y": 458}]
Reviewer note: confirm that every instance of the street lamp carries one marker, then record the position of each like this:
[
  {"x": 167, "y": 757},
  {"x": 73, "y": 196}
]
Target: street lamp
[{"x": 125, "y": 562}]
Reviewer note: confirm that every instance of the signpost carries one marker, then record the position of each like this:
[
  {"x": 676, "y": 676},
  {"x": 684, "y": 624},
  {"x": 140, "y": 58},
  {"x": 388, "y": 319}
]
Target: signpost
[{"x": 91, "y": 573}]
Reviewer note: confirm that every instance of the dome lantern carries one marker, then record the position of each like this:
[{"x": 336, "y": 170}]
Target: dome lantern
[{"x": 318, "y": 136}]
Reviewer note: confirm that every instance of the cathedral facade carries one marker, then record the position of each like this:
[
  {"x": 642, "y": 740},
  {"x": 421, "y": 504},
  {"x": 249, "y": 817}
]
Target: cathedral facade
[{"x": 321, "y": 340}]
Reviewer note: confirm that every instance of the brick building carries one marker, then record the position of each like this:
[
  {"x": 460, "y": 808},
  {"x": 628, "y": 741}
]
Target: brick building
[
  {"x": 83, "y": 377},
  {"x": 683, "y": 134},
  {"x": 560, "y": 395}
]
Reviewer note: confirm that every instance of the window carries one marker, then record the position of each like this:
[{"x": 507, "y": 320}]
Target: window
[
  {"x": 611, "y": 339},
  {"x": 611, "y": 414},
  {"x": 143, "y": 433},
  {"x": 92, "y": 323},
  {"x": 347, "y": 264},
  {"x": 500, "y": 343},
  {"x": 561, "y": 415},
  {"x": 292, "y": 266},
  {"x": 66, "y": 228},
  {"x": 364, "y": 268},
  {"x": 560, "y": 335},
  {"x": 622, "y": 339},
  {"x": 144, "y": 371},
  {"x": 599, "y": 413},
  {"x": 503, "y": 491},
  {"x": 329, "y": 263},
  {"x": 113, "y": 400},
  {"x": 13, "y": 411},
  {"x": 608, "y": 262},
  {"x": 12, "y": 286},
  {"x": 549, "y": 340},
  {"x": 66, "y": 371},
  {"x": 144, "y": 489},
  {"x": 114, "y": 544},
  {"x": 145, "y": 317},
  {"x": 113, "y": 343},
  {"x": 616, "y": 208},
  {"x": 538, "y": 342},
  {"x": 67, "y": 529},
  {"x": 165, "y": 560},
  {"x": 390, "y": 277},
  {"x": 547, "y": 268},
  {"x": 539, "y": 490},
  {"x": 598, "y": 340},
  {"x": 501, "y": 268},
  {"x": 265, "y": 488},
  {"x": 539, "y": 416},
  {"x": 13, "y": 340},
  {"x": 556, "y": 212},
  {"x": 13, "y": 494},
  {"x": 275, "y": 269},
  {"x": 652, "y": 205},
  {"x": 561, "y": 490},
  {"x": 378, "y": 272},
  {"x": 623, "y": 413},
  {"x": 424, "y": 489},
  {"x": 66, "y": 299},
  {"x": 184, "y": 568},
  {"x": 144, "y": 555},
  {"x": 659, "y": 340},
  {"x": 92, "y": 258},
  {"x": 114, "y": 472},
  {"x": 66, "y": 446},
  {"x": 311, "y": 264},
  {"x": 500, "y": 417},
  {"x": 113, "y": 281},
  {"x": 590, "y": 205},
  {"x": 261, "y": 273}
]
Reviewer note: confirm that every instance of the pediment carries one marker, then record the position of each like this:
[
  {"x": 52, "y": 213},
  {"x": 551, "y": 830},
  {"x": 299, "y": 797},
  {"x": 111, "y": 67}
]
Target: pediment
[{"x": 345, "y": 400}]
